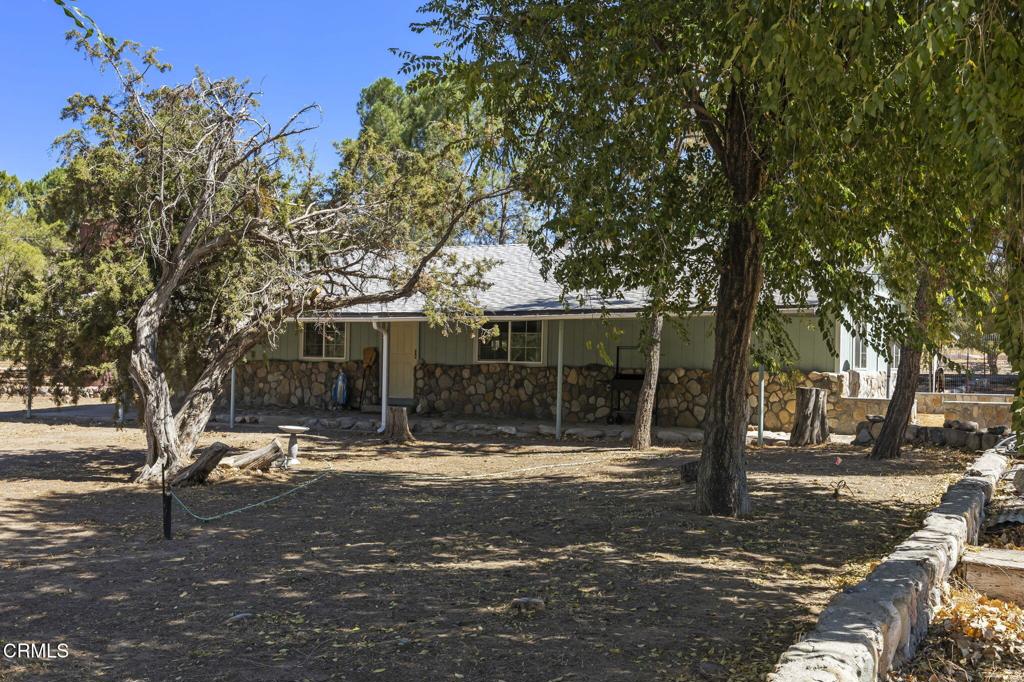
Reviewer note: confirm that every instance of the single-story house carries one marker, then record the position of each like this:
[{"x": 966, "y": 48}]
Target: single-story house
[{"x": 514, "y": 373}]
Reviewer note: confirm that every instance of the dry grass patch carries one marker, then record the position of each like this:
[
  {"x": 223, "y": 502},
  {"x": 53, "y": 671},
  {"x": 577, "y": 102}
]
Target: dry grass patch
[{"x": 403, "y": 562}]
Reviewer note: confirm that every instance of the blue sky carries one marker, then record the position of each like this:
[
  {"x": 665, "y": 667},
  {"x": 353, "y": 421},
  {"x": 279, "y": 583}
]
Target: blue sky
[{"x": 298, "y": 51}]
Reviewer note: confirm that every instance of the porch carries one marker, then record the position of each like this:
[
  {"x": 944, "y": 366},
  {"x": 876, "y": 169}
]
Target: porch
[{"x": 566, "y": 371}]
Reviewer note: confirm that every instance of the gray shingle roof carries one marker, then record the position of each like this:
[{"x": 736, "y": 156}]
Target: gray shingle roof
[{"x": 515, "y": 286}]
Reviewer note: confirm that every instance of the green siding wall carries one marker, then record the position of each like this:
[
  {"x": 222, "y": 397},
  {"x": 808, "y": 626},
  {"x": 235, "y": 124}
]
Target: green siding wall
[
  {"x": 689, "y": 344},
  {"x": 437, "y": 349},
  {"x": 289, "y": 342},
  {"x": 814, "y": 352},
  {"x": 691, "y": 347}
]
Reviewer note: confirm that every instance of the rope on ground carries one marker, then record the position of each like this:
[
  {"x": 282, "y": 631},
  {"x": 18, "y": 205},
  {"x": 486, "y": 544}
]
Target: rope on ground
[{"x": 206, "y": 519}]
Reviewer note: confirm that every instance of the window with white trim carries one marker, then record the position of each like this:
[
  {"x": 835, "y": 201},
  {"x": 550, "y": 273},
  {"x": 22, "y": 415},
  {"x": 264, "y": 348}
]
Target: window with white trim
[
  {"x": 324, "y": 340},
  {"x": 860, "y": 352},
  {"x": 513, "y": 341}
]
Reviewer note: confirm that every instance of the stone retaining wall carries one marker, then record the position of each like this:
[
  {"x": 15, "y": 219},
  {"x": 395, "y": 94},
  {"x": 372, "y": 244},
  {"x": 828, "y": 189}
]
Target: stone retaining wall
[
  {"x": 865, "y": 383},
  {"x": 934, "y": 403},
  {"x": 878, "y": 624},
  {"x": 11, "y": 390},
  {"x": 986, "y": 414},
  {"x": 498, "y": 389},
  {"x": 964, "y": 435},
  {"x": 850, "y": 412}
]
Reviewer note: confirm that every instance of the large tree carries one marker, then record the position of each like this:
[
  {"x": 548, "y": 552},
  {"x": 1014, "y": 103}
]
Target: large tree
[
  {"x": 237, "y": 234},
  {"x": 987, "y": 94},
  {"x": 713, "y": 129},
  {"x": 427, "y": 117},
  {"x": 969, "y": 57},
  {"x": 31, "y": 249}
]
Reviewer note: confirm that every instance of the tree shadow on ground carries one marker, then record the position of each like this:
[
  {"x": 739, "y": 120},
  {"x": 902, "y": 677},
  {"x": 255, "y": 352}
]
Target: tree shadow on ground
[
  {"x": 378, "y": 575},
  {"x": 112, "y": 464}
]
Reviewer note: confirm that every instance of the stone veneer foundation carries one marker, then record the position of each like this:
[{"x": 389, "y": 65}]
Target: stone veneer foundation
[
  {"x": 300, "y": 383},
  {"x": 527, "y": 392},
  {"x": 497, "y": 389}
]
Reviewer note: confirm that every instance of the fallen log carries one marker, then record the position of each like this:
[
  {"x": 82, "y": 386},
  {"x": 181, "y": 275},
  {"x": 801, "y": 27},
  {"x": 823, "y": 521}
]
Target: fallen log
[
  {"x": 259, "y": 460},
  {"x": 197, "y": 472}
]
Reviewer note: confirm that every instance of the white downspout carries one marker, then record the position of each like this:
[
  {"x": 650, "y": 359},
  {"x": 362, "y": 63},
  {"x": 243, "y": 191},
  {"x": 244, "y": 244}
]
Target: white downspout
[
  {"x": 383, "y": 329},
  {"x": 558, "y": 384}
]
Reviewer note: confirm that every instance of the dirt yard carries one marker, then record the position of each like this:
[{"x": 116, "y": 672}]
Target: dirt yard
[{"x": 401, "y": 562}]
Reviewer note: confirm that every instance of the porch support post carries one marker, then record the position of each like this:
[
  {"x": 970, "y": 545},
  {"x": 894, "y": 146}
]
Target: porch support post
[
  {"x": 760, "y": 405},
  {"x": 383, "y": 329},
  {"x": 231, "y": 403},
  {"x": 558, "y": 383}
]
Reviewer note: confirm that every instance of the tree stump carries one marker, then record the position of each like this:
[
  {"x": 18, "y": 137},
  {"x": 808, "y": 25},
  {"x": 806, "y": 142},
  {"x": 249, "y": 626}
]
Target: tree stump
[
  {"x": 260, "y": 460},
  {"x": 397, "y": 429},
  {"x": 810, "y": 423},
  {"x": 197, "y": 472}
]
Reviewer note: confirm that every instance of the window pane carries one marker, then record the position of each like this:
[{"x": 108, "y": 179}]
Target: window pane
[
  {"x": 860, "y": 353},
  {"x": 495, "y": 348},
  {"x": 312, "y": 340},
  {"x": 334, "y": 340},
  {"x": 525, "y": 341}
]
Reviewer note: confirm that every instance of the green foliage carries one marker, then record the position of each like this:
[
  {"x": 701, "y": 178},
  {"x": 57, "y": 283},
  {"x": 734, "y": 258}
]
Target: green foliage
[
  {"x": 431, "y": 118},
  {"x": 971, "y": 54},
  {"x": 215, "y": 219},
  {"x": 1009, "y": 319},
  {"x": 66, "y": 305},
  {"x": 621, "y": 118}
]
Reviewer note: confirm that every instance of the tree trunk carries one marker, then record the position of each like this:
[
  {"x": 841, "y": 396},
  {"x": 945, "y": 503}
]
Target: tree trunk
[
  {"x": 722, "y": 476},
  {"x": 993, "y": 363},
  {"x": 169, "y": 435},
  {"x": 890, "y": 440},
  {"x": 197, "y": 472},
  {"x": 158, "y": 417},
  {"x": 28, "y": 393},
  {"x": 397, "y": 430},
  {"x": 260, "y": 460},
  {"x": 897, "y": 415},
  {"x": 197, "y": 407},
  {"x": 645, "y": 402},
  {"x": 810, "y": 425}
]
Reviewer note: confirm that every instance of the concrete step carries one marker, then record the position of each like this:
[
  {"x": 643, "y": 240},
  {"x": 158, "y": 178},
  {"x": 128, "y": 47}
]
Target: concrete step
[{"x": 996, "y": 573}]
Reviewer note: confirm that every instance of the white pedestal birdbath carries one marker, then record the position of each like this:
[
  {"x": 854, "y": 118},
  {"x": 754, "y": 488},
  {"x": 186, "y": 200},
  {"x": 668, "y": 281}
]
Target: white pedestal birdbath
[{"x": 293, "y": 443}]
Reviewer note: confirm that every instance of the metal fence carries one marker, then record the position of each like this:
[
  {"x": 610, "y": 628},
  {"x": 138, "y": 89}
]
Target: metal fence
[{"x": 965, "y": 370}]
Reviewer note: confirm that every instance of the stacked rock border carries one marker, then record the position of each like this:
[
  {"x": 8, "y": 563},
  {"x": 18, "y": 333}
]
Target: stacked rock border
[
  {"x": 953, "y": 433},
  {"x": 876, "y": 625}
]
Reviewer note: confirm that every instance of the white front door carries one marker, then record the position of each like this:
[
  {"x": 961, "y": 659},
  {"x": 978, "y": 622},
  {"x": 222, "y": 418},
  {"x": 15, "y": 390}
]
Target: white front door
[{"x": 404, "y": 340}]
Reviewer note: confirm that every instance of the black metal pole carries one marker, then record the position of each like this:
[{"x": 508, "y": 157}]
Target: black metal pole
[{"x": 167, "y": 503}]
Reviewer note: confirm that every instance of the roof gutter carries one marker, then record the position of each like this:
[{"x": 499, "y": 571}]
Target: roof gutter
[{"x": 512, "y": 315}]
